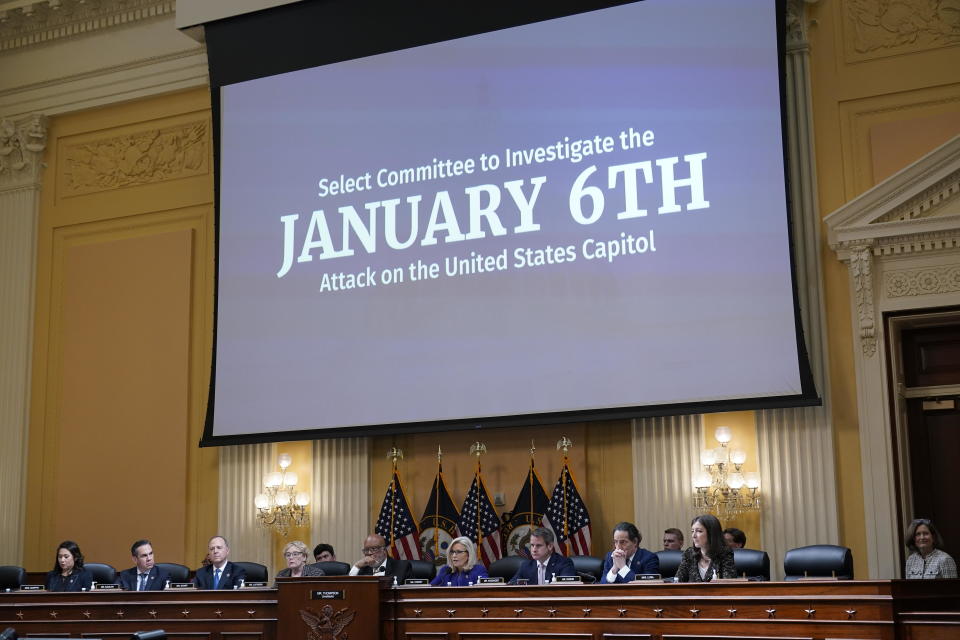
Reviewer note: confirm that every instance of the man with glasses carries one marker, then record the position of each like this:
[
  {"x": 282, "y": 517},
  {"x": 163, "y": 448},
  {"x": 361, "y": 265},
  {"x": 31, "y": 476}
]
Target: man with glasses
[
  {"x": 628, "y": 560},
  {"x": 376, "y": 562}
]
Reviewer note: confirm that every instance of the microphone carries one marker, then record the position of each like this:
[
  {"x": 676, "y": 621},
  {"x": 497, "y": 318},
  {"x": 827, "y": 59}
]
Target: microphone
[
  {"x": 158, "y": 634},
  {"x": 8, "y": 634}
]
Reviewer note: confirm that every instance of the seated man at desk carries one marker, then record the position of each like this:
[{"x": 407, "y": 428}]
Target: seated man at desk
[
  {"x": 544, "y": 562},
  {"x": 144, "y": 575},
  {"x": 628, "y": 560},
  {"x": 220, "y": 573},
  {"x": 376, "y": 562}
]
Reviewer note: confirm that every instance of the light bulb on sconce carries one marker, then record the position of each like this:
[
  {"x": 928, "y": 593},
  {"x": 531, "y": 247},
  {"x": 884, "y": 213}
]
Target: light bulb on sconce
[
  {"x": 280, "y": 506},
  {"x": 720, "y": 489}
]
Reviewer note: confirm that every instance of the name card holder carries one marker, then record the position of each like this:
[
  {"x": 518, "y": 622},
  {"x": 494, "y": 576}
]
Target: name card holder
[
  {"x": 181, "y": 585},
  {"x": 647, "y": 577},
  {"x": 489, "y": 581},
  {"x": 415, "y": 582},
  {"x": 727, "y": 580},
  {"x": 573, "y": 579},
  {"x": 253, "y": 585},
  {"x": 104, "y": 586},
  {"x": 33, "y": 587}
]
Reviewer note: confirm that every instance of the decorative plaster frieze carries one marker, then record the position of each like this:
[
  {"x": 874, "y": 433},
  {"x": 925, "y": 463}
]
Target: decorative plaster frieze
[
  {"x": 927, "y": 203},
  {"x": 861, "y": 271},
  {"x": 143, "y": 157},
  {"x": 44, "y": 21},
  {"x": 880, "y": 29},
  {"x": 917, "y": 243},
  {"x": 22, "y": 143},
  {"x": 938, "y": 279}
]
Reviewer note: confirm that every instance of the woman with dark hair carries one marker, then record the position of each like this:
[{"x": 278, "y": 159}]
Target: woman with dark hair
[
  {"x": 709, "y": 557},
  {"x": 927, "y": 559},
  {"x": 68, "y": 573}
]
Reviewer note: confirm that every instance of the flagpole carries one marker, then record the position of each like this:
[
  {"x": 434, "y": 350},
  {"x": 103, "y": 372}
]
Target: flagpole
[
  {"x": 565, "y": 443},
  {"x": 394, "y": 454},
  {"x": 436, "y": 506},
  {"x": 530, "y": 479},
  {"x": 478, "y": 449}
]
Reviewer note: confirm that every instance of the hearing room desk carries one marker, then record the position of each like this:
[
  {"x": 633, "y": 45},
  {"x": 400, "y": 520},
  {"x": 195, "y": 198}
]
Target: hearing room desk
[{"x": 367, "y": 608}]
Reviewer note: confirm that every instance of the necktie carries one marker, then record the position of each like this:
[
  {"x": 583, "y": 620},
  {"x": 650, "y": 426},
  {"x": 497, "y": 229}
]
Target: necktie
[
  {"x": 143, "y": 582},
  {"x": 216, "y": 578},
  {"x": 541, "y": 573}
]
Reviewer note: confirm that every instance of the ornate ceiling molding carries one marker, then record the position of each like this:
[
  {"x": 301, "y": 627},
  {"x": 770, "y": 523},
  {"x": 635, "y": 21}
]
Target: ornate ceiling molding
[{"x": 24, "y": 23}]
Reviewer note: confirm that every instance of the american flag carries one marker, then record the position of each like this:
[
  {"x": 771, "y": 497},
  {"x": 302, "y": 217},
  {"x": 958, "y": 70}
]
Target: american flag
[
  {"x": 479, "y": 520},
  {"x": 567, "y": 516},
  {"x": 396, "y": 525}
]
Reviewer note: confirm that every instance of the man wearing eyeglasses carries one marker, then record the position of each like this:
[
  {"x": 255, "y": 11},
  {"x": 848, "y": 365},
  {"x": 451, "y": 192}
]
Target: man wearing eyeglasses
[{"x": 376, "y": 562}]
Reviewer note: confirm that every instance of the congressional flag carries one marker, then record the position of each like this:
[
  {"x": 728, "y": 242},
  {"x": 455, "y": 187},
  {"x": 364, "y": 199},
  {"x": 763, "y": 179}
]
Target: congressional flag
[
  {"x": 567, "y": 516},
  {"x": 438, "y": 526},
  {"x": 396, "y": 525},
  {"x": 480, "y": 523},
  {"x": 527, "y": 514}
]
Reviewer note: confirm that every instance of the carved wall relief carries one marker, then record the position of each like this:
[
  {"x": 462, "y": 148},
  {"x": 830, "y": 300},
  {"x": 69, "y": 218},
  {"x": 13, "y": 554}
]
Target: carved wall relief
[{"x": 879, "y": 28}]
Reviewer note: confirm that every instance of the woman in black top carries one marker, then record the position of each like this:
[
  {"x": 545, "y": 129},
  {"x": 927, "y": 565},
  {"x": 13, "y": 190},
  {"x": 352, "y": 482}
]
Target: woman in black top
[
  {"x": 68, "y": 573},
  {"x": 709, "y": 556}
]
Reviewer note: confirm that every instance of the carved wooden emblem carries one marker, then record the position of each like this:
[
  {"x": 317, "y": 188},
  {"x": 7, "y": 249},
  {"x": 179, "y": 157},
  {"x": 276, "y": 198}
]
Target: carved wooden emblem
[{"x": 328, "y": 624}]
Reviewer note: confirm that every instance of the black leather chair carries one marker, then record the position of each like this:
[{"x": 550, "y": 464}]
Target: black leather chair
[
  {"x": 423, "y": 569},
  {"x": 669, "y": 561},
  {"x": 505, "y": 567},
  {"x": 818, "y": 561},
  {"x": 12, "y": 577},
  {"x": 178, "y": 572},
  {"x": 752, "y": 563},
  {"x": 334, "y": 568},
  {"x": 588, "y": 568},
  {"x": 255, "y": 572},
  {"x": 102, "y": 573}
]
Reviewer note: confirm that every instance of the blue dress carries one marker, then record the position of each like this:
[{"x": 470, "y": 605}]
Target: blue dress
[{"x": 447, "y": 577}]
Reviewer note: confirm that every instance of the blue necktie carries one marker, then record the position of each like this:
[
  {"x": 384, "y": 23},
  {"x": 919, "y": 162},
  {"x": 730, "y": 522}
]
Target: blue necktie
[
  {"x": 143, "y": 582},
  {"x": 216, "y": 578}
]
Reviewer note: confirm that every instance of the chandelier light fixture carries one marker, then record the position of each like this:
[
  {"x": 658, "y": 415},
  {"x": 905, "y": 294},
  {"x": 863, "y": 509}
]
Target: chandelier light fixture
[
  {"x": 280, "y": 506},
  {"x": 722, "y": 488}
]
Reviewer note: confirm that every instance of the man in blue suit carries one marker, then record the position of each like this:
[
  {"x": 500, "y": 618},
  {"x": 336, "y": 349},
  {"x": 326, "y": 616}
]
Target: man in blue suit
[
  {"x": 219, "y": 574},
  {"x": 145, "y": 576},
  {"x": 628, "y": 560},
  {"x": 544, "y": 563}
]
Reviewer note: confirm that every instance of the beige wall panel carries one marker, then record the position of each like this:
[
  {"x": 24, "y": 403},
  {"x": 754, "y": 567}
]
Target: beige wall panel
[{"x": 123, "y": 334}]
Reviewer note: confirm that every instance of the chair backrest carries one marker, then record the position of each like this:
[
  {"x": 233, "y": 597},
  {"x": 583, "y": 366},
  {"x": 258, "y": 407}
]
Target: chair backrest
[
  {"x": 12, "y": 577},
  {"x": 102, "y": 573},
  {"x": 178, "y": 572},
  {"x": 818, "y": 561},
  {"x": 423, "y": 569},
  {"x": 588, "y": 568},
  {"x": 334, "y": 568},
  {"x": 256, "y": 572},
  {"x": 505, "y": 567},
  {"x": 752, "y": 563},
  {"x": 669, "y": 561}
]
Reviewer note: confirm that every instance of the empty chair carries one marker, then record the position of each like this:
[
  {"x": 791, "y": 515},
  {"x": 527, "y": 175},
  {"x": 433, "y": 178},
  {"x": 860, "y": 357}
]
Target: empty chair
[
  {"x": 178, "y": 572},
  {"x": 818, "y": 561},
  {"x": 505, "y": 567},
  {"x": 423, "y": 569},
  {"x": 255, "y": 572},
  {"x": 752, "y": 563},
  {"x": 669, "y": 561},
  {"x": 334, "y": 568},
  {"x": 101, "y": 573},
  {"x": 12, "y": 577},
  {"x": 588, "y": 568}
]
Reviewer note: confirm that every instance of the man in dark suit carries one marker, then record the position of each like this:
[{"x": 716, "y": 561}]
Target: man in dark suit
[
  {"x": 145, "y": 576},
  {"x": 219, "y": 574},
  {"x": 544, "y": 562},
  {"x": 376, "y": 562},
  {"x": 628, "y": 560}
]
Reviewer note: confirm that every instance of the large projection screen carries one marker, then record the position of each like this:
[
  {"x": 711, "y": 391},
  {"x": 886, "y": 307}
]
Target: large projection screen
[{"x": 575, "y": 218}]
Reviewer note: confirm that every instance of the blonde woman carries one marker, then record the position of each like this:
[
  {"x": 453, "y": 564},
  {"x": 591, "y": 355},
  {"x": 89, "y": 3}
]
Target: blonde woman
[
  {"x": 295, "y": 553},
  {"x": 462, "y": 568}
]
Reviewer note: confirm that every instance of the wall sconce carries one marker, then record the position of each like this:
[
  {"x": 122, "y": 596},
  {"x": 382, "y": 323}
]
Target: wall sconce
[
  {"x": 723, "y": 491},
  {"x": 280, "y": 506}
]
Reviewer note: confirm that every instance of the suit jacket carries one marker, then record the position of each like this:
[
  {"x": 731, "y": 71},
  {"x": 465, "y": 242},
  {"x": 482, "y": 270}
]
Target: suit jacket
[
  {"x": 643, "y": 562},
  {"x": 156, "y": 579},
  {"x": 450, "y": 578},
  {"x": 229, "y": 579},
  {"x": 557, "y": 565},
  {"x": 309, "y": 570},
  {"x": 79, "y": 580},
  {"x": 721, "y": 567},
  {"x": 399, "y": 568}
]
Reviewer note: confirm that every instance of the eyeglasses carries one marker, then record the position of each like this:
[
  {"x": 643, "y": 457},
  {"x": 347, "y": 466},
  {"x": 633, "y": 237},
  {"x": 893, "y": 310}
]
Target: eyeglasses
[
  {"x": 294, "y": 554},
  {"x": 369, "y": 551},
  {"x": 456, "y": 552},
  {"x": 921, "y": 521}
]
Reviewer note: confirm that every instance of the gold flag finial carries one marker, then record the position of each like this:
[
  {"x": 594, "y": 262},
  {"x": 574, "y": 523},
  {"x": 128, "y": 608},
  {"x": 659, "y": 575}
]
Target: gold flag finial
[
  {"x": 439, "y": 454},
  {"x": 564, "y": 444},
  {"x": 394, "y": 454},
  {"x": 478, "y": 449},
  {"x": 533, "y": 448}
]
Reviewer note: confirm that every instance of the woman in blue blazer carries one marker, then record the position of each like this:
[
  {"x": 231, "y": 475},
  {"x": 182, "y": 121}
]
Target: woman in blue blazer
[{"x": 462, "y": 568}]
